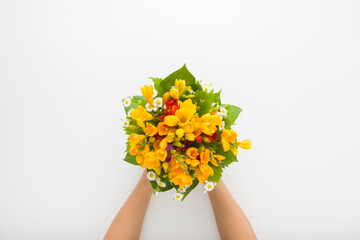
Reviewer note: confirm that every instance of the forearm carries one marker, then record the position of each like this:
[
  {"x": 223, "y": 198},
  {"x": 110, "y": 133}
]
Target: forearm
[
  {"x": 128, "y": 222},
  {"x": 230, "y": 219}
]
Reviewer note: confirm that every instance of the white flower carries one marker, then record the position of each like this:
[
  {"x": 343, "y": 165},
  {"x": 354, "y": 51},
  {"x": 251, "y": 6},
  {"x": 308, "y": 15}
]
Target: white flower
[
  {"x": 155, "y": 109},
  {"x": 207, "y": 87},
  {"x": 177, "y": 196},
  {"x": 129, "y": 112},
  {"x": 219, "y": 113},
  {"x": 148, "y": 107},
  {"x": 161, "y": 184},
  {"x": 209, "y": 186},
  {"x": 126, "y": 123},
  {"x": 223, "y": 111},
  {"x": 151, "y": 175},
  {"x": 127, "y": 102},
  {"x": 155, "y": 92},
  {"x": 158, "y": 102},
  {"x": 222, "y": 126},
  {"x": 182, "y": 190}
]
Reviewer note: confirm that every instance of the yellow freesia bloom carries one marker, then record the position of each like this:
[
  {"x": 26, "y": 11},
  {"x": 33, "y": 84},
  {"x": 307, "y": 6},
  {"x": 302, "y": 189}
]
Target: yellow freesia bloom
[
  {"x": 218, "y": 157},
  {"x": 205, "y": 156},
  {"x": 178, "y": 174},
  {"x": 203, "y": 171},
  {"x": 140, "y": 114},
  {"x": 245, "y": 144},
  {"x": 227, "y": 137},
  {"x": 148, "y": 92},
  {"x": 134, "y": 140},
  {"x": 209, "y": 123},
  {"x": 174, "y": 93},
  {"x": 180, "y": 85},
  {"x": 150, "y": 129},
  {"x": 150, "y": 160}
]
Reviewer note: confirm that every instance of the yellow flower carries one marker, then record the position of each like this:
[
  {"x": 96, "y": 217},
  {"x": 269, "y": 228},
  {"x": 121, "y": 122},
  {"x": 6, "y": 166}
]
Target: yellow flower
[
  {"x": 182, "y": 116},
  {"x": 203, "y": 171},
  {"x": 205, "y": 156},
  {"x": 148, "y": 92},
  {"x": 140, "y": 114},
  {"x": 209, "y": 123},
  {"x": 161, "y": 154},
  {"x": 150, "y": 129},
  {"x": 245, "y": 144},
  {"x": 180, "y": 133},
  {"x": 151, "y": 161},
  {"x": 166, "y": 96},
  {"x": 180, "y": 85},
  {"x": 134, "y": 140},
  {"x": 218, "y": 157},
  {"x": 188, "y": 105},
  {"x": 174, "y": 93},
  {"x": 178, "y": 174},
  {"x": 227, "y": 136},
  {"x": 192, "y": 152},
  {"x": 163, "y": 128}
]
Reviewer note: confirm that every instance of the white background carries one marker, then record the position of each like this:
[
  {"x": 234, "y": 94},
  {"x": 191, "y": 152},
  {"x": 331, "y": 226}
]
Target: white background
[{"x": 293, "y": 66}]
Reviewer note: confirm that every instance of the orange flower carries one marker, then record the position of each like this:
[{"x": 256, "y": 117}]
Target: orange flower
[
  {"x": 203, "y": 171},
  {"x": 150, "y": 129},
  {"x": 163, "y": 129},
  {"x": 192, "y": 152}
]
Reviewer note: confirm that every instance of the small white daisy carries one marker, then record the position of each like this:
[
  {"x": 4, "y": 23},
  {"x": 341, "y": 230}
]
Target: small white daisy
[
  {"x": 161, "y": 184},
  {"x": 209, "y": 186},
  {"x": 155, "y": 92},
  {"x": 181, "y": 190},
  {"x": 177, "y": 196},
  {"x": 126, "y": 123},
  {"x": 155, "y": 109},
  {"x": 207, "y": 87},
  {"x": 148, "y": 107},
  {"x": 219, "y": 113},
  {"x": 127, "y": 102},
  {"x": 223, "y": 111},
  {"x": 151, "y": 175},
  {"x": 158, "y": 102},
  {"x": 222, "y": 126}
]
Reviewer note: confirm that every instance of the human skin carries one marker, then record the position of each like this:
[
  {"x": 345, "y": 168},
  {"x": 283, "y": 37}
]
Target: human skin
[
  {"x": 128, "y": 222},
  {"x": 230, "y": 219}
]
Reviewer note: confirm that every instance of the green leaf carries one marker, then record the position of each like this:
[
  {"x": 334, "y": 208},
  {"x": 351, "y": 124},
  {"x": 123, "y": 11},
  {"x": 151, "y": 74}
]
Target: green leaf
[
  {"x": 130, "y": 159},
  {"x": 135, "y": 102},
  {"x": 232, "y": 113},
  {"x": 195, "y": 183},
  {"x": 229, "y": 156},
  {"x": 204, "y": 101},
  {"x": 157, "y": 86},
  {"x": 217, "y": 173},
  {"x": 182, "y": 73}
]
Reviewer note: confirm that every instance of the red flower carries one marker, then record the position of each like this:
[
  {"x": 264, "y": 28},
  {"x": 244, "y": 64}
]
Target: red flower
[
  {"x": 199, "y": 139},
  {"x": 213, "y": 137},
  {"x": 171, "y": 106}
]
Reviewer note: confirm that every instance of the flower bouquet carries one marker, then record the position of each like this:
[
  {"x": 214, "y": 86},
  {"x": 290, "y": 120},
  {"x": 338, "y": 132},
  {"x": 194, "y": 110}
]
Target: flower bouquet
[{"x": 180, "y": 131}]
